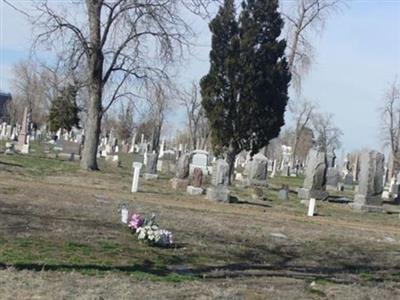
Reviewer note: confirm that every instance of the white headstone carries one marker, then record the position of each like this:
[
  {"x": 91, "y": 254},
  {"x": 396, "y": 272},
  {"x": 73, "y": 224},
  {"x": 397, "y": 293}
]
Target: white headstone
[
  {"x": 311, "y": 207},
  {"x": 135, "y": 181}
]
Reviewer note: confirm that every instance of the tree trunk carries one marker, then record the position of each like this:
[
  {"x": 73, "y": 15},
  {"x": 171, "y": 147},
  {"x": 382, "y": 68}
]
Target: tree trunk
[
  {"x": 92, "y": 132},
  {"x": 95, "y": 76},
  {"x": 293, "y": 50},
  {"x": 230, "y": 159}
]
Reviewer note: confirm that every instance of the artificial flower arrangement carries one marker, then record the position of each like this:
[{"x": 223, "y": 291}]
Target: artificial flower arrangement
[{"x": 148, "y": 230}]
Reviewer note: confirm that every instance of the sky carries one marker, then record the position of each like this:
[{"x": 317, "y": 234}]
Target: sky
[{"x": 357, "y": 57}]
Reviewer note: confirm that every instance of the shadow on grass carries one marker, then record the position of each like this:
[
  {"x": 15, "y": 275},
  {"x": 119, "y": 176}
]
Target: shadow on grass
[
  {"x": 251, "y": 203},
  {"x": 11, "y": 164},
  {"x": 343, "y": 275},
  {"x": 145, "y": 267}
]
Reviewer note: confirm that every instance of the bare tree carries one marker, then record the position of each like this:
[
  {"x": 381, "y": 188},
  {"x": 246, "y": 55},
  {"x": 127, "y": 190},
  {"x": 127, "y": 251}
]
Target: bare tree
[
  {"x": 390, "y": 115},
  {"x": 327, "y": 133},
  {"x": 119, "y": 42},
  {"x": 159, "y": 104},
  {"x": 302, "y": 113},
  {"x": 196, "y": 120},
  {"x": 29, "y": 88},
  {"x": 302, "y": 18}
]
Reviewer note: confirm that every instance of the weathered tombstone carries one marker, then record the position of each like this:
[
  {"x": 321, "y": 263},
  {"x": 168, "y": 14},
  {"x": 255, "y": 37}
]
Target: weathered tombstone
[
  {"x": 135, "y": 180},
  {"x": 182, "y": 173},
  {"x": 369, "y": 194},
  {"x": 273, "y": 173},
  {"x": 132, "y": 148},
  {"x": 199, "y": 160},
  {"x": 286, "y": 171},
  {"x": 283, "y": 193},
  {"x": 151, "y": 167},
  {"x": 314, "y": 183},
  {"x": 23, "y": 140},
  {"x": 71, "y": 149},
  {"x": 166, "y": 163},
  {"x": 332, "y": 179},
  {"x": 197, "y": 181},
  {"x": 257, "y": 170},
  {"x": 219, "y": 181},
  {"x": 348, "y": 180}
]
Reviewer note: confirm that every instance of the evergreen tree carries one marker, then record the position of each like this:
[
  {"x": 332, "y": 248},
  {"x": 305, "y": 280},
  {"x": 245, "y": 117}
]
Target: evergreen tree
[
  {"x": 245, "y": 92},
  {"x": 64, "y": 110},
  {"x": 264, "y": 78},
  {"x": 219, "y": 88}
]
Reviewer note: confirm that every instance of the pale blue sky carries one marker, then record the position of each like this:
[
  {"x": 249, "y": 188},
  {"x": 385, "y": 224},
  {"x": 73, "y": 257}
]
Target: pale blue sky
[{"x": 357, "y": 56}]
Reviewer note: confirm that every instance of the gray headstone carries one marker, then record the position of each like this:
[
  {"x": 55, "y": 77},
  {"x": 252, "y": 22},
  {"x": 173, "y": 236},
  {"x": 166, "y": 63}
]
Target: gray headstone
[
  {"x": 348, "y": 179},
  {"x": 151, "y": 166},
  {"x": 182, "y": 167},
  {"x": 332, "y": 178},
  {"x": 315, "y": 182},
  {"x": 219, "y": 181},
  {"x": 369, "y": 194},
  {"x": 257, "y": 170},
  {"x": 220, "y": 173}
]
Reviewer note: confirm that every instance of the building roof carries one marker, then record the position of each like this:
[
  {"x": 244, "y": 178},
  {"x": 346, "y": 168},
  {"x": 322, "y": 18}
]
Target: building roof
[{"x": 4, "y": 97}]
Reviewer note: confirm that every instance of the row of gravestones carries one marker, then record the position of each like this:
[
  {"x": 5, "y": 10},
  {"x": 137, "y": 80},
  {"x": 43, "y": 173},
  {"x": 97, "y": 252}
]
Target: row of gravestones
[{"x": 368, "y": 196}]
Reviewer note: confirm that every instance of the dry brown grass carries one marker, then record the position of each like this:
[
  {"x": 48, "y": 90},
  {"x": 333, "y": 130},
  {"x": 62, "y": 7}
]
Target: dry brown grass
[{"x": 67, "y": 223}]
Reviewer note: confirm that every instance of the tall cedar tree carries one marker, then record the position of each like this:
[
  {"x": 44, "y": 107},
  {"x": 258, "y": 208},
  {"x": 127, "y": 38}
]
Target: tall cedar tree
[
  {"x": 219, "y": 88},
  {"x": 64, "y": 110},
  {"x": 246, "y": 90}
]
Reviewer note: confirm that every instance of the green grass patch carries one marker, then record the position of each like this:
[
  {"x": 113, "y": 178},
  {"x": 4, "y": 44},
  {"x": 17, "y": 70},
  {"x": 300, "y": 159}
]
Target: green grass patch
[
  {"x": 135, "y": 259},
  {"x": 39, "y": 166}
]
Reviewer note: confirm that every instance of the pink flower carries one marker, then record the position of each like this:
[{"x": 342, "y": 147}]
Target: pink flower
[{"x": 135, "y": 222}]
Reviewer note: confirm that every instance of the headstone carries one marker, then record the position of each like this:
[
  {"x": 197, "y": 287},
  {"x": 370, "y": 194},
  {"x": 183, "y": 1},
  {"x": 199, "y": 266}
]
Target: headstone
[
  {"x": 311, "y": 207},
  {"x": 332, "y": 179},
  {"x": 314, "y": 183},
  {"x": 257, "y": 170},
  {"x": 286, "y": 171},
  {"x": 219, "y": 181},
  {"x": 273, "y": 173},
  {"x": 23, "y": 141},
  {"x": 135, "y": 180},
  {"x": 182, "y": 173},
  {"x": 199, "y": 160},
  {"x": 283, "y": 193},
  {"x": 71, "y": 148},
  {"x": 369, "y": 194},
  {"x": 132, "y": 148},
  {"x": 348, "y": 179},
  {"x": 197, "y": 181},
  {"x": 166, "y": 163},
  {"x": 182, "y": 168},
  {"x": 151, "y": 167}
]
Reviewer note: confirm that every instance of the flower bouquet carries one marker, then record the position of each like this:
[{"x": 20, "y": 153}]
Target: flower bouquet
[{"x": 148, "y": 230}]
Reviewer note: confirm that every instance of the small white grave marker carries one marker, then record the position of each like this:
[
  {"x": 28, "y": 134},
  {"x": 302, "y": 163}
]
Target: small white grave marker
[
  {"x": 311, "y": 207},
  {"x": 124, "y": 214},
  {"x": 135, "y": 181}
]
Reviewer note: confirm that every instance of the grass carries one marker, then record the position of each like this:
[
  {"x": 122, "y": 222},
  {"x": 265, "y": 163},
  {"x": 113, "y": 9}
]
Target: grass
[
  {"x": 135, "y": 259},
  {"x": 51, "y": 219}
]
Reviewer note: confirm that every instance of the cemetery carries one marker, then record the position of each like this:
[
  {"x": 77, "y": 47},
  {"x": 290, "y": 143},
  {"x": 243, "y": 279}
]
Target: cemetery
[
  {"x": 60, "y": 225},
  {"x": 199, "y": 149}
]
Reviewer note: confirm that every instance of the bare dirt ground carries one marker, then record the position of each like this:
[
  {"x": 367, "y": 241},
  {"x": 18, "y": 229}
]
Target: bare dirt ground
[{"x": 60, "y": 238}]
